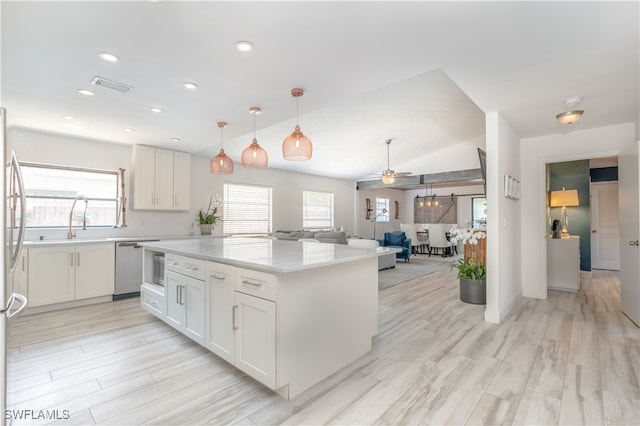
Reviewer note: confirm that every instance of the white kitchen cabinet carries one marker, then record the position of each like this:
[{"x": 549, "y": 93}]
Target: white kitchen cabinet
[
  {"x": 219, "y": 310},
  {"x": 161, "y": 179},
  {"x": 181, "y": 181},
  {"x": 94, "y": 270},
  {"x": 62, "y": 273},
  {"x": 255, "y": 338},
  {"x": 185, "y": 295},
  {"x": 51, "y": 275},
  {"x": 563, "y": 264}
]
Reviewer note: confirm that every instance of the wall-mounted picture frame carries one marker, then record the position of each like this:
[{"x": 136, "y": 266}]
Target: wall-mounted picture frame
[{"x": 369, "y": 209}]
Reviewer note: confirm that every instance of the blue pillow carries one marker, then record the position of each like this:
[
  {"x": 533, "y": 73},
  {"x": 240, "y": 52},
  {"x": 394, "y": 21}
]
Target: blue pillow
[{"x": 395, "y": 238}]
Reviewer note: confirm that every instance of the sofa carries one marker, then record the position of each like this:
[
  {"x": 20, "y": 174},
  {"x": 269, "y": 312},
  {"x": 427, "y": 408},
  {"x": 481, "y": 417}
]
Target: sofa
[
  {"x": 333, "y": 237},
  {"x": 397, "y": 239}
]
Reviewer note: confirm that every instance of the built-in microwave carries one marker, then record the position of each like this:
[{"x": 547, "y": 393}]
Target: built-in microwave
[{"x": 158, "y": 268}]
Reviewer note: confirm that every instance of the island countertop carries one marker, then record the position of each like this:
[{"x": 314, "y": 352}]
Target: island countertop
[{"x": 265, "y": 254}]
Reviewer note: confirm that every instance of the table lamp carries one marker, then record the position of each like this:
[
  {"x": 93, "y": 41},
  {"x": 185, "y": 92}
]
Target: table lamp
[{"x": 565, "y": 198}]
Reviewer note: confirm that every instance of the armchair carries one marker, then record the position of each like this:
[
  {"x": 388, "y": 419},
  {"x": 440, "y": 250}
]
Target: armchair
[{"x": 397, "y": 239}]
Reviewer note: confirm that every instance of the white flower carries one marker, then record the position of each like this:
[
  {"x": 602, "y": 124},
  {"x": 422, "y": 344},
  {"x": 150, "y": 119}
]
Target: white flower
[{"x": 470, "y": 236}]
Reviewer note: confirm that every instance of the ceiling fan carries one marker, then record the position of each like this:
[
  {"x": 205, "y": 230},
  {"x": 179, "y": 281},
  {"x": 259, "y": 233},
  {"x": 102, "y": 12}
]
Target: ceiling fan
[{"x": 389, "y": 176}]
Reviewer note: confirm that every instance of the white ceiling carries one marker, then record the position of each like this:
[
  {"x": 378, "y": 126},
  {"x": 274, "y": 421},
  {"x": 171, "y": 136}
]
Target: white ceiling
[{"x": 422, "y": 73}]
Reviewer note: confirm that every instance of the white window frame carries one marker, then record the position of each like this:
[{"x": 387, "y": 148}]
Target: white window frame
[
  {"x": 317, "y": 215},
  {"x": 58, "y": 202},
  {"x": 382, "y": 203},
  {"x": 247, "y": 209}
]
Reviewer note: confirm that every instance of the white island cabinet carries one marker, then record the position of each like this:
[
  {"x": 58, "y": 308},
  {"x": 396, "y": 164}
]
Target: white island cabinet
[{"x": 287, "y": 313}]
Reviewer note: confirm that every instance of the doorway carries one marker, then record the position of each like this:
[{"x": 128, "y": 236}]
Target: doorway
[{"x": 605, "y": 226}]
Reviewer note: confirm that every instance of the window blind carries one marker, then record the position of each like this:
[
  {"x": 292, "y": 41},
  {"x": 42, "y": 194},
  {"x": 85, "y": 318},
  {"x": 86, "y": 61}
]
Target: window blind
[
  {"x": 317, "y": 210},
  {"x": 246, "y": 209}
]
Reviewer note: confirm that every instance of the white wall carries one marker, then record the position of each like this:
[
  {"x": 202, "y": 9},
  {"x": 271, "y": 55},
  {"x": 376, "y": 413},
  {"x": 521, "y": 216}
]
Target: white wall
[
  {"x": 35, "y": 146},
  {"x": 503, "y": 219},
  {"x": 535, "y": 154},
  {"x": 364, "y": 227}
]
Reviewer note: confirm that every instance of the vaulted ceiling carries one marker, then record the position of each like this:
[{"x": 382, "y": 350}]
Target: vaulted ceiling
[{"x": 420, "y": 73}]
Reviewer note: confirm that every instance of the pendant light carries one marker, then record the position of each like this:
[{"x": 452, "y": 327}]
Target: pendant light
[
  {"x": 254, "y": 156},
  {"x": 297, "y": 146},
  {"x": 221, "y": 164}
]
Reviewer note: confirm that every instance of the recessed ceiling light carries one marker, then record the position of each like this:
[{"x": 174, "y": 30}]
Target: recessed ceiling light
[
  {"x": 68, "y": 117},
  {"x": 155, "y": 109},
  {"x": 86, "y": 92},
  {"x": 175, "y": 139},
  {"x": 190, "y": 85},
  {"x": 128, "y": 130},
  {"x": 109, "y": 57},
  {"x": 244, "y": 46}
]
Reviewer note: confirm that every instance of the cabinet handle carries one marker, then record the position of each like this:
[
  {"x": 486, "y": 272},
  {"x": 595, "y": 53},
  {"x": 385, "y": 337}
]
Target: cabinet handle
[
  {"x": 218, "y": 277},
  {"x": 191, "y": 267},
  {"x": 71, "y": 259},
  {"x": 633, "y": 243},
  {"x": 233, "y": 317},
  {"x": 77, "y": 259},
  {"x": 177, "y": 295},
  {"x": 182, "y": 295},
  {"x": 22, "y": 263},
  {"x": 251, "y": 283},
  {"x": 174, "y": 264},
  {"x": 157, "y": 199},
  {"x": 150, "y": 302},
  {"x": 153, "y": 198}
]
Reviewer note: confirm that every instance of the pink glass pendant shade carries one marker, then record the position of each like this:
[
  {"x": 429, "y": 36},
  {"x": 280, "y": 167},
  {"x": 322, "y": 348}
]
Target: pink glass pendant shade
[
  {"x": 254, "y": 156},
  {"x": 297, "y": 146},
  {"x": 221, "y": 164}
]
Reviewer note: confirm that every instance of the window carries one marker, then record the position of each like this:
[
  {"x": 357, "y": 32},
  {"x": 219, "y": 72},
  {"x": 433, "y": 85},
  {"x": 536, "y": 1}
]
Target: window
[
  {"x": 246, "y": 209},
  {"x": 317, "y": 210},
  {"x": 382, "y": 209},
  {"x": 478, "y": 212},
  {"x": 51, "y": 190}
]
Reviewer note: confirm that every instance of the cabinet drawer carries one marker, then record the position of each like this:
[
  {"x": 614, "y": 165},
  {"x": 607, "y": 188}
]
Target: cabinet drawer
[
  {"x": 152, "y": 301},
  {"x": 260, "y": 284},
  {"x": 185, "y": 265}
]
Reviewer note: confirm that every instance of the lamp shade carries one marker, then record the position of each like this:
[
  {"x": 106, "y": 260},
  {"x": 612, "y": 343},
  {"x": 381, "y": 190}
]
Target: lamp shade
[
  {"x": 221, "y": 164},
  {"x": 564, "y": 198},
  {"x": 254, "y": 156},
  {"x": 297, "y": 146},
  {"x": 570, "y": 117}
]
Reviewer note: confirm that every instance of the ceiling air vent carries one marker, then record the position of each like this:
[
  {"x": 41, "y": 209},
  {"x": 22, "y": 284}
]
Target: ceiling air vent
[{"x": 110, "y": 84}]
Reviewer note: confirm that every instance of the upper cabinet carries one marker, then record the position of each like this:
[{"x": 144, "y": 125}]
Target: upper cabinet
[{"x": 161, "y": 179}]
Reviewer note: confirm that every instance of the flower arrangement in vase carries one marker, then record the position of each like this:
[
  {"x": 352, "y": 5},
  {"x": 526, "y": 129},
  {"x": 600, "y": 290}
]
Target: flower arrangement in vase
[{"x": 209, "y": 217}]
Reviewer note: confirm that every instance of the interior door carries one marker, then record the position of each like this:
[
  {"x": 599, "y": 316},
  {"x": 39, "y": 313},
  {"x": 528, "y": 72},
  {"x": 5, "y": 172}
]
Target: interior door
[
  {"x": 605, "y": 226},
  {"x": 628, "y": 194}
]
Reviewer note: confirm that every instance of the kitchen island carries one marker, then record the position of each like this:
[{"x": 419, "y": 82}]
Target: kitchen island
[{"x": 287, "y": 313}]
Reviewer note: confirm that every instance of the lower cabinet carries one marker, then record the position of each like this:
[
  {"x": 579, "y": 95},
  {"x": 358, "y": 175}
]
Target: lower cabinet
[
  {"x": 241, "y": 328},
  {"x": 71, "y": 272},
  {"x": 255, "y": 338}
]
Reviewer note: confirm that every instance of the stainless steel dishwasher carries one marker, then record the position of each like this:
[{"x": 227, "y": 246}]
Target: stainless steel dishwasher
[{"x": 128, "y": 269}]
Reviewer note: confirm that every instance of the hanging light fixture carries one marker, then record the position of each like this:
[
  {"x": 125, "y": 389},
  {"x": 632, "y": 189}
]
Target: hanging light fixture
[
  {"x": 221, "y": 164},
  {"x": 570, "y": 115},
  {"x": 297, "y": 146},
  {"x": 254, "y": 156}
]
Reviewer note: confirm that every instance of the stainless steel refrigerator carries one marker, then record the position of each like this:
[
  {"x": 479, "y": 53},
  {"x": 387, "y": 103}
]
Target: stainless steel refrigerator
[{"x": 13, "y": 214}]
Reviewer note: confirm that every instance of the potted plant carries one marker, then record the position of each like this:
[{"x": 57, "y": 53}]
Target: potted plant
[
  {"x": 208, "y": 218},
  {"x": 473, "y": 281}
]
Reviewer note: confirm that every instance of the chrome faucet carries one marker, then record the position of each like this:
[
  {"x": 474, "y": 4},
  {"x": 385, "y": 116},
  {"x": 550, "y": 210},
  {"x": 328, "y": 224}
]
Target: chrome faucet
[{"x": 70, "y": 233}]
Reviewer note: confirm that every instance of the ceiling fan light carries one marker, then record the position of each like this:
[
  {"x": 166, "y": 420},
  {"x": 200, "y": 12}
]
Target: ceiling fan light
[
  {"x": 388, "y": 177},
  {"x": 297, "y": 147},
  {"x": 570, "y": 117}
]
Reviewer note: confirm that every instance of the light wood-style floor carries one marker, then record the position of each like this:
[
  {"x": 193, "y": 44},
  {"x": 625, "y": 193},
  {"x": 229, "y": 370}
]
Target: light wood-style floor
[{"x": 571, "y": 359}]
